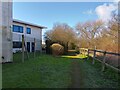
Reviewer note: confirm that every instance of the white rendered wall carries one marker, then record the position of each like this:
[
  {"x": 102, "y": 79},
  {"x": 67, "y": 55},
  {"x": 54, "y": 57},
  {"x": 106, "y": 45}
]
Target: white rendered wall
[
  {"x": 35, "y": 33},
  {"x": 0, "y": 32},
  {"x": 0, "y": 45},
  {"x": 5, "y": 34},
  {"x": 6, "y": 22}
]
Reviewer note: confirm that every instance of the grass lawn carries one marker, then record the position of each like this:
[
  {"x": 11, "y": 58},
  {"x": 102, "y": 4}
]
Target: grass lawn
[
  {"x": 78, "y": 56},
  {"x": 43, "y": 72},
  {"x": 46, "y": 71},
  {"x": 93, "y": 77}
]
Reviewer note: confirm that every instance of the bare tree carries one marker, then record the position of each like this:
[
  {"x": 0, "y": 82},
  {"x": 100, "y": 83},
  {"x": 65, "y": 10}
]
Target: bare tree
[
  {"x": 89, "y": 31},
  {"x": 110, "y": 35},
  {"x": 62, "y": 33}
]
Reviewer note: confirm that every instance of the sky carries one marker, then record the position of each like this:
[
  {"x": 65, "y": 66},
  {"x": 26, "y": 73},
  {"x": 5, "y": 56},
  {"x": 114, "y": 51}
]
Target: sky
[{"x": 48, "y": 13}]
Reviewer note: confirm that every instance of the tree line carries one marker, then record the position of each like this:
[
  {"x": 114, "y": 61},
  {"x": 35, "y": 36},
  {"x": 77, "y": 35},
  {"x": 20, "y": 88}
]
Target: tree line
[{"x": 91, "y": 34}]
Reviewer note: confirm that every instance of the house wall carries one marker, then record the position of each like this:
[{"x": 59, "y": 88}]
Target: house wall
[
  {"x": 0, "y": 32},
  {"x": 5, "y": 32},
  {"x": 35, "y": 33},
  {"x": 0, "y": 45}
]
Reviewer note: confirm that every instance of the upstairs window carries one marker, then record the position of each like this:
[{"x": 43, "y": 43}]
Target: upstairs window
[
  {"x": 28, "y": 30},
  {"x": 17, "y": 28}
]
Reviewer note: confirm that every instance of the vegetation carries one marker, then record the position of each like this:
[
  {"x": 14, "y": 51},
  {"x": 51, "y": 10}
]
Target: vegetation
[
  {"x": 78, "y": 56},
  {"x": 42, "y": 72},
  {"x": 90, "y": 34},
  {"x": 93, "y": 77},
  {"x": 57, "y": 49},
  {"x": 62, "y": 33},
  {"x": 46, "y": 71},
  {"x": 98, "y": 34}
]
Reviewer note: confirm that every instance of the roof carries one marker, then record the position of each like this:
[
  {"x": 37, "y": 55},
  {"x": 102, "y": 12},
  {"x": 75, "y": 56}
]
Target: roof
[{"x": 27, "y": 23}]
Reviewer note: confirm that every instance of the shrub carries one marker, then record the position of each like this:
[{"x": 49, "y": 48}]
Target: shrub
[{"x": 57, "y": 49}]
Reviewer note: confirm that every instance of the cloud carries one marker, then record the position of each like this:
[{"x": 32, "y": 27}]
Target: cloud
[
  {"x": 116, "y": 0},
  {"x": 104, "y": 11},
  {"x": 89, "y": 12}
]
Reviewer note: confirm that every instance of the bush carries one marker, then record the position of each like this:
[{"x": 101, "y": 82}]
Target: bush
[{"x": 57, "y": 49}]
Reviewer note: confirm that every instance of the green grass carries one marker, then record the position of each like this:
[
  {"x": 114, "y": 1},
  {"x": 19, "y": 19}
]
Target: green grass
[
  {"x": 78, "y": 56},
  {"x": 46, "y": 71},
  {"x": 43, "y": 72},
  {"x": 95, "y": 78}
]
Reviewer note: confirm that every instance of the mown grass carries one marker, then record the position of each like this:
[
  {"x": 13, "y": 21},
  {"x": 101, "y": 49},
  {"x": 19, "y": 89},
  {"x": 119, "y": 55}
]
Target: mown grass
[
  {"x": 44, "y": 71},
  {"x": 95, "y": 78},
  {"x": 78, "y": 56}
]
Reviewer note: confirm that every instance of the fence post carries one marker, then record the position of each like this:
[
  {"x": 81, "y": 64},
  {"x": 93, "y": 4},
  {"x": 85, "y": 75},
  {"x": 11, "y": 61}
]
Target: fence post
[
  {"x": 94, "y": 55},
  {"x": 88, "y": 55},
  {"x": 26, "y": 51},
  {"x": 84, "y": 51},
  {"x": 34, "y": 46},
  {"x": 103, "y": 63},
  {"x": 79, "y": 50},
  {"x": 23, "y": 48}
]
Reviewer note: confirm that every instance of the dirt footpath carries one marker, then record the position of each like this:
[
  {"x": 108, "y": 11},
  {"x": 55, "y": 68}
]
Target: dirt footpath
[{"x": 76, "y": 75}]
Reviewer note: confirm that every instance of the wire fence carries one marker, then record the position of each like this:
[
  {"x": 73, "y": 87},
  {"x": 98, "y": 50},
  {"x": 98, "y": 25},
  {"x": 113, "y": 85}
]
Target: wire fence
[{"x": 26, "y": 48}]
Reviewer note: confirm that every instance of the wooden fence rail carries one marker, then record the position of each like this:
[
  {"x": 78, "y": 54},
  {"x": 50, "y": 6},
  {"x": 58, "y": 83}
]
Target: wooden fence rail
[
  {"x": 103, "y": 61},
  {"x": 105, "y": 51}
]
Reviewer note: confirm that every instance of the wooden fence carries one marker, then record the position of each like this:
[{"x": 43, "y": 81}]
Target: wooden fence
[{"x": 103, "y": 61}]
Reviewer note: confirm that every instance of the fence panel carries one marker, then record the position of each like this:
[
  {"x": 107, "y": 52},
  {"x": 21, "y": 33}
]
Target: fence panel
[{"x": 108, "y": 59}]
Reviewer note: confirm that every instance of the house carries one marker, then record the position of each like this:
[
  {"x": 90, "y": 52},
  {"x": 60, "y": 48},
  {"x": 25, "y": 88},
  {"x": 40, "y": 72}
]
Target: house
[
  {"x": 30, "y": 31},
  {"x": 11, "y": 32}
]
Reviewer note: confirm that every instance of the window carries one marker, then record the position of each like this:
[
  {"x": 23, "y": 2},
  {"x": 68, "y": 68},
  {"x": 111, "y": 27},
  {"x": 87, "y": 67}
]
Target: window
[
  {"x": 21, "y": 29},
  {"x": 17, "y": 44},
  {"x": 28, "y": 30},
  {"x": 17, "y": 28}
]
